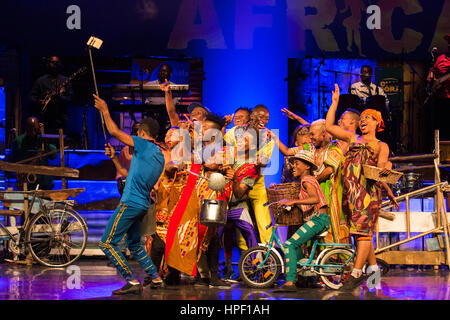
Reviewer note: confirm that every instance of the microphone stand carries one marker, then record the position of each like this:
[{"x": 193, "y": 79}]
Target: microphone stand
[{"x": 321, "y": 63}]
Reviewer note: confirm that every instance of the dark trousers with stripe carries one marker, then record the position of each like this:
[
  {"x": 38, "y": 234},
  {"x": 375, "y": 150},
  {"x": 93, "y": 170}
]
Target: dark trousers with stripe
[{"x": 126, "y": 220}]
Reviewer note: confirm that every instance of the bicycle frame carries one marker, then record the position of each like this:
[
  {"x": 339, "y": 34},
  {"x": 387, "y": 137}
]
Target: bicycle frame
[
  {"x": 275, "y": 239},
  {"x": 42, "y": 208},
  {"x": 328, "y": 246},
  {"x": 27, "y": 218}
]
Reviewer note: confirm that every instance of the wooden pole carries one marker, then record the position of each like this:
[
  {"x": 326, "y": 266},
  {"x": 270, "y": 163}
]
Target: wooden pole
[
  {"x": 413, "y": 157},
  {"x": 61, "y": 155},
  {"x": 435, "y": 230},
  {"x": 408, "y": 218},
  {"x": 25, "y": 201},
  {"x": 437, "y": 174},
  {"x": 427, "y": 166},
  {"x": 412, "y": 194},
  {"x": 443, "y": 212},
  {"x": 440, "y": 198}
]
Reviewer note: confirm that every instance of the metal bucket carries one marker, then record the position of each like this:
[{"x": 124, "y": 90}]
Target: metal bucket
[{"x": 213, "y": 212}]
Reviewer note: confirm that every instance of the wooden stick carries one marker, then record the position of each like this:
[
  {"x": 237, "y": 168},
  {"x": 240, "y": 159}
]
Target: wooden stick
[
  {"x": 440, "y": 198},
  {"x": 427, "y": 166},
  {"x": 443, "y": 212},
  {"x": 413, "y": 157},
  {"x": 413, "y": 193},
  {"x": 437, "y": 173},
  {"x": 25, "y": 201},
  {"x": 44, "y": 170},
  {"x": 40, "y": 156},
  {"x": 408, "y": 218},
  {"x": 61, "y": 155},
  {"x": 438, "y": 229}
]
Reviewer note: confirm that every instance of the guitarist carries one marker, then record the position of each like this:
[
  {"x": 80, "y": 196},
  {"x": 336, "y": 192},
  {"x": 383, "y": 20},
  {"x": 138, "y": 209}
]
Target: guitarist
[
  {"x": 441, "y": 104},
  {"x": 54, "y": 115}
]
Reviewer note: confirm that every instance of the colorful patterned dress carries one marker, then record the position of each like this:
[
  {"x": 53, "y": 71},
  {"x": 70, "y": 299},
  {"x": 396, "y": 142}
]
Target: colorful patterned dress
[
  {"x": 361, "y": 197},
  {"x": 332, "y": 157}
]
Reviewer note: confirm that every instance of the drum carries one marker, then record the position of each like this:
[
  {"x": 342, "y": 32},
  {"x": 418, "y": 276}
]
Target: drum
[
  {"x": 409, "y": 182},
  {"x": 213, "y": 212},
  {"x": 348, "y": 101}
]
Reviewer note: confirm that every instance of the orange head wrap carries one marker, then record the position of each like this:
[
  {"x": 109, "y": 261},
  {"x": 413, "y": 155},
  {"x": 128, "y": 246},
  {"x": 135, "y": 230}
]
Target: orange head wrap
[{"x": 377, "y": 116}]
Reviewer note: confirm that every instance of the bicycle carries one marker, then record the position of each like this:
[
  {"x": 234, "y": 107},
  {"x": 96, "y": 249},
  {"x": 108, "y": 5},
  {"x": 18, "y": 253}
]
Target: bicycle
[
  {"x": 53, "y": 233},
  {"x": 260, "y": 266}
]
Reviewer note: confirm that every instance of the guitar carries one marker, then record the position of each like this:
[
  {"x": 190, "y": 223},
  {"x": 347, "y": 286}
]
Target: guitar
[
  {"x": 49, "y": 95},
  {"x": 438, "y": 84}
]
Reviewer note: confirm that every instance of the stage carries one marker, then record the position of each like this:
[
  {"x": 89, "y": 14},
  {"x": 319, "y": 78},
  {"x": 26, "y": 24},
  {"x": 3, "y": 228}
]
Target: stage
[{"x": 97, "y": 281}]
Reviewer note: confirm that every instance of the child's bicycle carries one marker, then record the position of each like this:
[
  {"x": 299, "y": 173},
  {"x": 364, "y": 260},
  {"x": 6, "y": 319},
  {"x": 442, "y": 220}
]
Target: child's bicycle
[{"x": 260, "y": 266}]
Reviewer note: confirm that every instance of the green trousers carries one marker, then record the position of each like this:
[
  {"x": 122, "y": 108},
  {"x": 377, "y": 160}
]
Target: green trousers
[{"x": 319, "y": 222}]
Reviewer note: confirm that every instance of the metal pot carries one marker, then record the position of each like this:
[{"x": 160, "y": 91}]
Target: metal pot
[{"x": 213, "y": 212}]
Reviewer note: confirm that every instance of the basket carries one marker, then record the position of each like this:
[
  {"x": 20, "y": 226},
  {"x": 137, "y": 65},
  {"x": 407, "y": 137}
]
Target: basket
[
  {"x": 282, "y": 191},
  {"x": 373, "y": 173}
]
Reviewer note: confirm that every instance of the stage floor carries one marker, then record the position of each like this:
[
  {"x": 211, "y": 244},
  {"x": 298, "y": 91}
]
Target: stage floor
[{"x": 97, "y": 281}]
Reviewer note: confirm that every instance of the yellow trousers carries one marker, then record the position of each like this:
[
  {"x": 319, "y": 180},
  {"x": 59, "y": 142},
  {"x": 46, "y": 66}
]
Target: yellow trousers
[{"x": 258, "y": 197}]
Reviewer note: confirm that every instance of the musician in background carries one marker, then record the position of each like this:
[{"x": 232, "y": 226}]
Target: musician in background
[
  {"x": 365, "y": 88},
  {"x": 164, "y": 75},
  {"x": 440, "y": 69},
  {"x": 30, "y": 144},
  {"x": 165, "y": 72},
  {"x": 54, "y": 115}
]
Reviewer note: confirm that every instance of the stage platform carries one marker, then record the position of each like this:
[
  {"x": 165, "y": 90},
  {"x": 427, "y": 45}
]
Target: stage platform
[{"x": 97, "y": 281}]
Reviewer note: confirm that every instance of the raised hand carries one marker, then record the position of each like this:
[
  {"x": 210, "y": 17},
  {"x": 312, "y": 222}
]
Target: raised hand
[
  {"x": 100, "y": 104},
  {"x": 293, "y": 116},
  {"x": 228, "y": 119},
  {"x": 165, "y": 86},
  {"x": 336, "y": 93},
  {"x": 190, "y": 124},
  {"x": 289, "y": 114},
  {"x": 109, "y": 151}
]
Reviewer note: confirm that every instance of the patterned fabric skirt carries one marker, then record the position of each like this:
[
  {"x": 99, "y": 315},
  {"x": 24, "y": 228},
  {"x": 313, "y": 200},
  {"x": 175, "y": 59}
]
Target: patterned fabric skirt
[{"x": 361, "y": 197}]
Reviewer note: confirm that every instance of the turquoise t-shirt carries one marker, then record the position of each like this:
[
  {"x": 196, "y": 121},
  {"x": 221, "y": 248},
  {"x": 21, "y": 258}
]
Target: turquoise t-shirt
[{"x": 146, "y": 166}]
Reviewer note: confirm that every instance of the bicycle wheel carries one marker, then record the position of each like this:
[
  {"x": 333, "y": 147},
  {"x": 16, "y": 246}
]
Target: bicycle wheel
[
  {"x": 334, "y": 276},
  {"x": 56, "y": 238},
  {"x": 255, "y": 276}
]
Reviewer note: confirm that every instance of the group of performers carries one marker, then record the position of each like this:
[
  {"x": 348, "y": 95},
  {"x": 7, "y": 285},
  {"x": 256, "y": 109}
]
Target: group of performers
[
  {"x": 162, "y": 188},
  {"x": 164, "y": 177}
]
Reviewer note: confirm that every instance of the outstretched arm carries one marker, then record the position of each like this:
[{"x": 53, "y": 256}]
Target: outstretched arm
[
  {"x": 113, "y": 130},
  {"x": 333, "y": 129},
  {"x": 283, "y": 149},
  {"x": 170, "y": 106},
  {"x": 313, "y": 197},
  {"x": 294, "y": 116}
]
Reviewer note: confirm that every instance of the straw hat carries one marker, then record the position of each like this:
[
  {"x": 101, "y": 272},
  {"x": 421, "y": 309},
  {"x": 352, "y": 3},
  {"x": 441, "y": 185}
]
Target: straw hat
[{"x": 306, "y": 156}]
